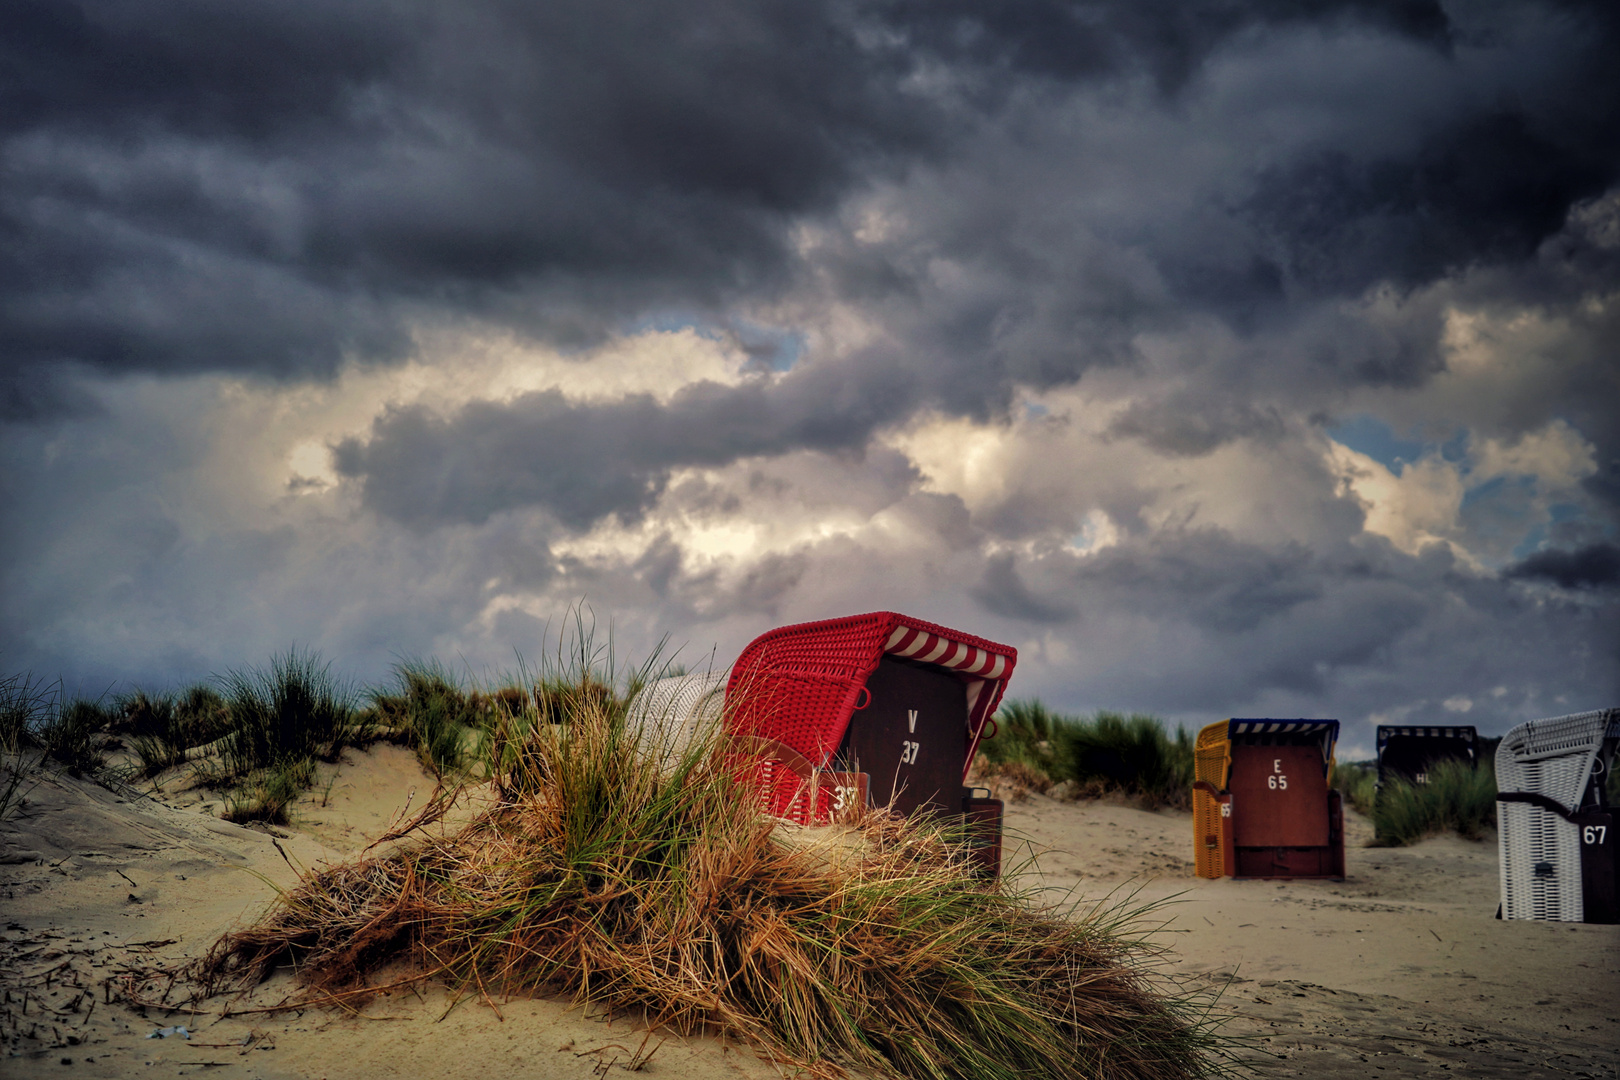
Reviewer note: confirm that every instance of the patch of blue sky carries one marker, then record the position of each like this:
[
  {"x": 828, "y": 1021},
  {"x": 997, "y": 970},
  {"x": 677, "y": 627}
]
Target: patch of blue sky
[
  {"x": 1537, "y": 537},
  {"x": 777, "y": 347},
  {"x": 668, "y": 322},
  {"x": 1371, "y": 436},
  {"x": 1501, "y": 502},
  {"x": 1495, "y": 486},
  {"x": 1455, "y": 449},
  {"x": 1532, "y": 542}
]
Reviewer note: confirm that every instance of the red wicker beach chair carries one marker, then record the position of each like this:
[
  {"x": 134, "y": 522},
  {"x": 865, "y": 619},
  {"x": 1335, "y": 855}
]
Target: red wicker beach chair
[{"x": 879, "y": 707}]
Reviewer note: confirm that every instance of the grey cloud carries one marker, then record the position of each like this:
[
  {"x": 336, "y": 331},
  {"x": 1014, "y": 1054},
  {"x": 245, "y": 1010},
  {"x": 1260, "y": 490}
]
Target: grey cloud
[
  {"x": 39, "y": 395},
  {"x": 1004, "y": 593},
  {"x": 1491, "y": 190},
  {"x": 1237, "y": 216},
  {"x": 1190, "y": 425},
  {"x": 1065, "y": 40},
  {"x": 585, "y": 461},
  {"x": 1177, "y": 621},
  {"x": 1205, "y": 577},
  {"x": 561, "y": 167},
  {"x": 277, "y": 188}
]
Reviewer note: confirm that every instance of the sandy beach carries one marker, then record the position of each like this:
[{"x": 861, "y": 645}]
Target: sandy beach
[{"x": 1401, "y": 969}]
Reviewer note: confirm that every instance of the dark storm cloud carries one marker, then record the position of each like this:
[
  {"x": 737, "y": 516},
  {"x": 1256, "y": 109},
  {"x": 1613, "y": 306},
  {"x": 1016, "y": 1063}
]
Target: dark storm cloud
[
  {"x": 583, "y": 461},
  {"x": 1491, "y": 190},
  {"x": 1188, "y": 618},
  {"x": 277, "y": 187},
  {"x": 1596, "y": 566},
  {"x": 1218, "y": 583},
  {"x": 311, "y": 168},
  {"x": 1165, "y": 39},
  {"x": 254, "y": 69}
]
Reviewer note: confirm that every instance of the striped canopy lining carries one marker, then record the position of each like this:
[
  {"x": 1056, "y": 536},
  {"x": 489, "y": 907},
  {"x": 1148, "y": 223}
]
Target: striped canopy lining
[
  {"x": 1282, "y": 727},
  {"x": 1429, "y": 732},
  {"x": 986, "y": 669},
  {"x": 1327, "y": 729}
]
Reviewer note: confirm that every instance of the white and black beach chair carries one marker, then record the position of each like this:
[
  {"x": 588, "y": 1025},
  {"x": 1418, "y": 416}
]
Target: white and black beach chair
[{"x": 1554, "y": 825}]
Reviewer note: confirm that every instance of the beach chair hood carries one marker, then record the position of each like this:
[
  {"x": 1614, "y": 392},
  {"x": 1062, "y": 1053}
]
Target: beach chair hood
[
  {"x": 1555, "y": 855},
  {"x": 1213, "y": 754},
  {"x": 800, "y": 684}
]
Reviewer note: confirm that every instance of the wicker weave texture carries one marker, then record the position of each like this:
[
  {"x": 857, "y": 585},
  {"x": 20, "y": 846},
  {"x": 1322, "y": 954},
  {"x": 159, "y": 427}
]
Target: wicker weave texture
[
  {"x": 1208, "y": 831},
  {"x": 1212, "y": 755},
  {"x": 1532, "y": 837},
  {"x": 667, "y": 714},
  {"x": 1212, "y": 763},
  {"x": 1540, "y": 852}
]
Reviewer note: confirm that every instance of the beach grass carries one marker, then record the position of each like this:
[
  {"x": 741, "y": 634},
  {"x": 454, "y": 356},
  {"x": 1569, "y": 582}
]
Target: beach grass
[
  {"x": 25, "y": 704},
  {"x": 1135, "y": 755},
  {"x": 428, "y": 709},
  {"x": 162, "y": 728},
  {"x": 290, "y": 710},
  {"x": 265, "y": 794},
  {"x": 607, "y": 873},
  {"x": 1457, "y": 797},
  {"x": 72, "y": 734},
  {"x": 278, "y": 720},
  {"x": 1357, "y": 782}
]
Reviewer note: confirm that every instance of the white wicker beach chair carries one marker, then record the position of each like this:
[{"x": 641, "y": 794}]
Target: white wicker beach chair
[
  {"x": 1547, "y": 773},
  {"x": 669, "y": 713}
]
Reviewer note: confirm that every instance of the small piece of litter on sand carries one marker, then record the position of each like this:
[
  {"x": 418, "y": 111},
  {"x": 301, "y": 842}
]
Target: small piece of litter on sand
[{"x": 164, "y": 1033}]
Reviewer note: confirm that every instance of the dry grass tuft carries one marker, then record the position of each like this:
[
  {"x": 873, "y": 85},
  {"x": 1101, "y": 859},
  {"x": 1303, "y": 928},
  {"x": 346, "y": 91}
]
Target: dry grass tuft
[
  {"x": 599, "y": 875},
  {"x": 1011, "y": 780}
]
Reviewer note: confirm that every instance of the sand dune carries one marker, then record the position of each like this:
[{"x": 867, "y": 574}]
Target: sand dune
[{"x": 1399, "y": 970}]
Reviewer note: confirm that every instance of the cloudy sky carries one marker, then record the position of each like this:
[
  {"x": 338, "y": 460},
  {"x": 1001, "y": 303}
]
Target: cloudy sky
[{"x": 1252, "y": 357}]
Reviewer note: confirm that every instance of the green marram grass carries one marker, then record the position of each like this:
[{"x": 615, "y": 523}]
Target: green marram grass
[
  {"x": 1107, "y": 752},
  {"x": 163, "y": 729},
  {"x": 279, "y": 720},
  {"x": 292, "y": 709},
  {"x": 603, "y": 872},
  {"x": 25, "y": 703},
  {"x": 429, "y": 710},
  {"x": 1458, "y": 797},
  {"x": 1357, "y": 781}
]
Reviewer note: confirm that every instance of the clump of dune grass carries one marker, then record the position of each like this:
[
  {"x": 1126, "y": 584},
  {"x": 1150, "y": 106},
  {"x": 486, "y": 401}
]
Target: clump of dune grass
[
  {"x": 1035, "y": 748},
  {"x": 74, "y": 734},
  {"x": 265, "y": 794},
  {"x": 606, "y": 873},
  {"x": 1133, "y": 754},
  {"x": 1025, "y": 730},
  {"x": 1357, "y": 782},
  {"x": 291, "y": 710},
  {"x": 163, "y": 728},
  {"x": 429, "y": 710},
  {"x": 1459, "y": 797},
  {"x": 153, "y": 732},
  {"x": 279, "y": 720},
  {"x": 25, "y": 704}
]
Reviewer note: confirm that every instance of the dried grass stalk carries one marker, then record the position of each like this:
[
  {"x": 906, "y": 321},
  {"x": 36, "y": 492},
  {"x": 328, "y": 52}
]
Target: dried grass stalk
[{"x": 600, "y": 875}]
